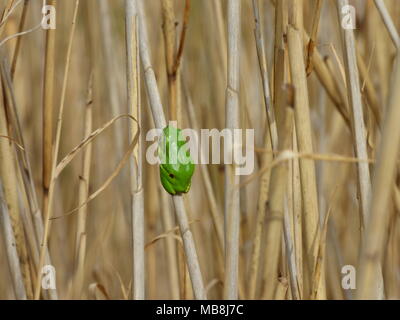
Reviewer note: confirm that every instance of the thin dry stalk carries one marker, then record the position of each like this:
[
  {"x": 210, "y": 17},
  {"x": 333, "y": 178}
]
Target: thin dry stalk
[
  {"x": 48, "y": 93},
  {"x": 170, "y": 244},
  {"x": 173, "y": 55},
  {"x": 319, "y": 266},
  {"x": 372, "y": 97},
  {"x": 295, "y": 211},
  {"x": 264, "y": 76},
  {"x": 313, "y": 36},
  {"x": 276, "y": 207},
  {"x": 288, "y": 233},
  {"x": 11, "y": 250},
  {"x": 132, "y": 55},
  {"x": 84, "y": 181},
  {"x": 329, "y": 82},
  {"x": 354, "y": 97},
  {"x": 387, "y": 19},
  {"x": 169, "y": 32},
  {"x": 272, "y": 135},
  {"x": 18, "y": 44},
  {"x": 304, "y": 137},
  {"x": 232, "y": 193}
]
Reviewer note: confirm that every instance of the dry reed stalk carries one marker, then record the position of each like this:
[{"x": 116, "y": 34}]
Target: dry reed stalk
[
  {"x": 232, "y": 193},
  {"x": 304, "y": 136},
  {"x": 169, "y": 32},
  {"x": 288, "y": 233},
  {"x": 387, "y": 19},
  {"x": 54, "y": 156},
  {"x": 272, "y": 136},
  {"x": 132, "y": 55},
  {"x": 371, "y": 94},
  {"x": 18, "y": 44},
  {"x": 159, "y": 120},
  {"x": 170, "y": 245},
  {"x": 186, "y": 291},
  {"x": 9, "y": 177},
  {"x": 320, "y": 259},
  {"x": 259, "y": 39},
  {"x": 313, "y": 36},
  {"x": 295, "y": 212},
  {"x": 173, "y": 56},
  {"x": 281, "y": 21},
  {"x": 354, "y": 97},
  {"x": 277, "y": 207},
  {"x": 329, "y": 82},
  {"x": 370, "y": 286},
  {"x": 11, "y": 250},
  {"x": 84, "y": 181},
  {"x": 172, "y": 250},
  {"x": 48, "y": 94},
  {"x": 276, "y": 196},
  {"x": 265, "y": 181},
  {"x": 176, "y": 75}
]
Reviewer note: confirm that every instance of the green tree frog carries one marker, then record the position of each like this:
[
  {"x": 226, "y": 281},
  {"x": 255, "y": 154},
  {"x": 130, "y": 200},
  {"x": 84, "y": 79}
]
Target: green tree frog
[{"x": 176, "y": 167}]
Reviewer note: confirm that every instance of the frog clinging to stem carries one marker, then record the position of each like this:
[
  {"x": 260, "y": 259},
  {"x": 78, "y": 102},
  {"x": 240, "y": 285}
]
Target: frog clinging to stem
[{"x": 176, "y": 167}]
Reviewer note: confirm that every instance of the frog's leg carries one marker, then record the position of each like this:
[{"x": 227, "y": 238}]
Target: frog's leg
[{"x": 165, "y": 182}]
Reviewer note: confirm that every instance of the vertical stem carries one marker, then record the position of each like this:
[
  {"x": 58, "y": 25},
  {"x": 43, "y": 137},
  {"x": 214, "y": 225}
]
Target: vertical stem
[
  {"x": 170, "y": 48},
  {"x": 354, "y": 97},
  {"x": 271, "y": 134},
  {"x": 11, "y": 251},
  {"x": 80, "y": 240},
  {"x": 18, "y": 44},
  {"x": 387, "y": 19},
  {"x": 304, "y": 133},
  {"x": 48, "y": 93},
  {"x": 232, "y": 192},
  {"x": 132, "y": 55}
]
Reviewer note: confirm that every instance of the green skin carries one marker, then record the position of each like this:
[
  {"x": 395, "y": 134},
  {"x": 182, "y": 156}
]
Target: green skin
[{"x": 175, "y": 177}]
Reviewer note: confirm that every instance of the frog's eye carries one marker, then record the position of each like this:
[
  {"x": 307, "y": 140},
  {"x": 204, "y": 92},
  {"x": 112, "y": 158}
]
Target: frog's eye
[{"x": 171, "y": 175}]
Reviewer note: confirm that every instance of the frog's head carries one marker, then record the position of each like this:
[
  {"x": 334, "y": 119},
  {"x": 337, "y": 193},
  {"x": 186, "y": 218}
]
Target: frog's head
[{"x": 176, "y": 173}]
